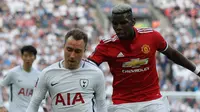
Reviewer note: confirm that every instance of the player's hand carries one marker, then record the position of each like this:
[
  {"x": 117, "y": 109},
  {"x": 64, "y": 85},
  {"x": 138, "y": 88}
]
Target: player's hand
[
  {"x": 45, "y": 108},
  {"x": 3, "y": 109}
]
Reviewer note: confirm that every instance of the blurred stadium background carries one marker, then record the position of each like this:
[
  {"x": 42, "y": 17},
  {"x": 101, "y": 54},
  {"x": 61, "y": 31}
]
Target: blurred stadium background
[{"x": 43, "y": 24}]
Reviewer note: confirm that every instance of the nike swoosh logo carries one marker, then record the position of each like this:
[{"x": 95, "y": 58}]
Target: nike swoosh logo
[{"x": 53, "y": 84}]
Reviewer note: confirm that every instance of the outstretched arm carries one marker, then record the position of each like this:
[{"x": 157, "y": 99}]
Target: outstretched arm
[{"x": 179, "y": 59}]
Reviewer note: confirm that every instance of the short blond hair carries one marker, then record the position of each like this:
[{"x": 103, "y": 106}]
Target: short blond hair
[{"x": 121, "y": 9}]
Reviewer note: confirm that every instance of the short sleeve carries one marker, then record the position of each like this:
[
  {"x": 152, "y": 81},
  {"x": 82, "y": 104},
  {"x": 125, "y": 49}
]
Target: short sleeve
[
  {"x": 7, "y": 79},
  {"x": 161, "y": 44},
  {"x": 99, "y": 55}
]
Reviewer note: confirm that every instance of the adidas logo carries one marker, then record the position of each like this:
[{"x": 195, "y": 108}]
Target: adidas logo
[{"x": 120, "y": 55}]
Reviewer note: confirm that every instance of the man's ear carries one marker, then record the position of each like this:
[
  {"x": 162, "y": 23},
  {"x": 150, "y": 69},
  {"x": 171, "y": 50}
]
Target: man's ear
[{"x": 133, "y": 21}]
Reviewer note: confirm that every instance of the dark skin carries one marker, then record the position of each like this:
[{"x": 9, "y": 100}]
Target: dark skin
[{"x": 123, "y": 26}]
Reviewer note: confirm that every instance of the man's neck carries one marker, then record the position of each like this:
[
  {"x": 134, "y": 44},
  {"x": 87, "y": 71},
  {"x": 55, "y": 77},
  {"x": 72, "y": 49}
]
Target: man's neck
[
  {"x": 133, "y": 34},
  {"x": 27, "y": 68}
]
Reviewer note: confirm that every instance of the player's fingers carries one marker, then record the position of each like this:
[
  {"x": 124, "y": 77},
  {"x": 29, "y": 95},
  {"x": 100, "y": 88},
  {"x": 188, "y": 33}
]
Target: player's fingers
[
  {"x": 3, "y": 110},
  {"x": 45, "y": 109}
]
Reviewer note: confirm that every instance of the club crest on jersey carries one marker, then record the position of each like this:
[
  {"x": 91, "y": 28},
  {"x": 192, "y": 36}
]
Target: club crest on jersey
[
  {"x": 145, "y": 49},
  {"x": 84, "y": 83}
]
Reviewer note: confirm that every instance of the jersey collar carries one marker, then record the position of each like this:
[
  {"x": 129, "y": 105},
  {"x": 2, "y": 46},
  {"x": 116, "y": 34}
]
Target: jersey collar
[{"x": 60, "y": 64}]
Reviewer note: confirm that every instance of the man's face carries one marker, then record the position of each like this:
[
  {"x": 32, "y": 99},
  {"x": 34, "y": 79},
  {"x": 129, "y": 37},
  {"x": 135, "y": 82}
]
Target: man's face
[
  {"x": 28, "y": 58},
  {"x": 123, "y": 26},
  {"x": 73, "y": 52}
]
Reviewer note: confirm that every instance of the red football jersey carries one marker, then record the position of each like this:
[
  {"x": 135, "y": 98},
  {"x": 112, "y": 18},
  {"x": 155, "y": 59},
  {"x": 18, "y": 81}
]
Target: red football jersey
[{"x": 133, "y": 65}]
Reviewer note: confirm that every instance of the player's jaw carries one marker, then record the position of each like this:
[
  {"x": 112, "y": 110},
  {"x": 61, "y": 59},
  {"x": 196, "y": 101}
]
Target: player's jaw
[
  {"x": 72, "y": 64},
  {"x": 120, "y": 33},
  {"x": 27, "y": 65},
  {"x": 28, "y": 62},
  {"x": 123, "y": 36}
]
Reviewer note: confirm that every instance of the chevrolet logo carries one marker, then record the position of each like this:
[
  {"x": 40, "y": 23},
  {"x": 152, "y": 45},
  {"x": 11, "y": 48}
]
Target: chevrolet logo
[{"x": 135, "y": 63}]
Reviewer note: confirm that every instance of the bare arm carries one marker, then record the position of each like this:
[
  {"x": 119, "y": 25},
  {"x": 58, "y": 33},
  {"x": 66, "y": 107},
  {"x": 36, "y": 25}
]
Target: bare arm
[
  {"x": 5, "y": 81},
  {"x": 179, "y": 59}
]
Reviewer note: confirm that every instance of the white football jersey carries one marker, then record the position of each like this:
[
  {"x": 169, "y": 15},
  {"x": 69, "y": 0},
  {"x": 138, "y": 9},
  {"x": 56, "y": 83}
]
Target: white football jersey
[
  {"x": 21, "y": 84},
  {"x": 80, "y": 90}
]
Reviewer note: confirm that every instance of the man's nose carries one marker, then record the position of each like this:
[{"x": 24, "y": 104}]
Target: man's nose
[
  {"x": 72, "y": 55},
  {"x": 119, "y": 27},
  {"x": 28, "y": 58}
]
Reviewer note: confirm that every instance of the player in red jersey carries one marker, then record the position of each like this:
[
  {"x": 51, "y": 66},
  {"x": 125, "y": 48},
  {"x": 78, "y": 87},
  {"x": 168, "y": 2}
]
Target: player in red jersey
[{"x": 131, "y": 57}]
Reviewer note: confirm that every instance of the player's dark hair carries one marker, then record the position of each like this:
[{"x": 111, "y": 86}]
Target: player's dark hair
[
  {"x": 30, "y": 49},
  {"x": 77, "y": 34}
]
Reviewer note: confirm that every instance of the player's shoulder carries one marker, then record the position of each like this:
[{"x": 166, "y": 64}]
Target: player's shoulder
[
  {"x": 148, "y": 32},
  {"x": 144, "y": 30},
  {"x": 91, "y": 65},
  {"x": 36, "y": 70},
  {"x": 11, "y": 71},
  {"x": 15, "y": 69},
  {"x": 53, "y": 66},
  {"x": 113, "y": 38}
]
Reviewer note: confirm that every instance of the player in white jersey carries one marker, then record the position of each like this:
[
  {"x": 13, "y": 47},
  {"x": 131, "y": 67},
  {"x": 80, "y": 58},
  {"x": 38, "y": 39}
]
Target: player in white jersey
[
  {"x": 75, "y": 85},
  {"x": 21, "y": 81}
]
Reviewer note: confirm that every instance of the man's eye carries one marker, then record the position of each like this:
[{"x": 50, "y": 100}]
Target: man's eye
[
  {"x": 30, "y": 55},
  {"x": 77, "y": 51},
  {"x": 123, "y": 22},
  {"x": 69, "y": 49},
  {"x": 114, "y": 23}
]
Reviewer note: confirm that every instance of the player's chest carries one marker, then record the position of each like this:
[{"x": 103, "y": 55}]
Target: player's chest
[
  {"x": 137, "y": 54},
  {"x": 71, "y": 83},
  {"x": 24, "y": 81},
  {"x": 133, "y": 50}
]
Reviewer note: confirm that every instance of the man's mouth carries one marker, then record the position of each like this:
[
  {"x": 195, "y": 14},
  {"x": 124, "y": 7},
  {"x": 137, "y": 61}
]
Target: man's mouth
[
  {"x": 120, "y": 34},
  {"x": 71, "y": 61}
]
